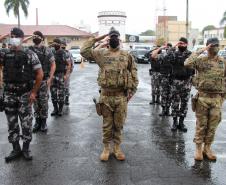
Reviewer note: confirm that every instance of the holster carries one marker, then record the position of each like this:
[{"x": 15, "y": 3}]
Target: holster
[
  {"x": 98, "y": 107},
  {"x": 194, "y": 100},
  {"x": 150, "y": 72}
]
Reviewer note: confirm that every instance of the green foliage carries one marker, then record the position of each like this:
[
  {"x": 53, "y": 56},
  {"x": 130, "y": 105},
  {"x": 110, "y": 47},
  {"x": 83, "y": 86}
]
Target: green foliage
[
  {"x": 209, "y": 27},
  {"x": 223, "y": 19},
  {"x": 148, "y": 33},
  {"x": 15, "y": 6},
  {"x": 225, "y": 32}
]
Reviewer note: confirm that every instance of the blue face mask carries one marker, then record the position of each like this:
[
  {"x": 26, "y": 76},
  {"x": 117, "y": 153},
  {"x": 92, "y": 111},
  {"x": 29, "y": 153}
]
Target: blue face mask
[{"x": 15, "y": 41}]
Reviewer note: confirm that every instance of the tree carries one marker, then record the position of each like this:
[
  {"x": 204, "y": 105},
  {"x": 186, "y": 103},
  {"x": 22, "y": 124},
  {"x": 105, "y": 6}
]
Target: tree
[
  {"x": 225, "y": 32},
  {"x": 148, "y": 33},
  {"x": 160, "y": 41},
  {"x": 15, "y": 6},
  {"x": 223, "y": 20},
  {"x": 209, "y": 27}
]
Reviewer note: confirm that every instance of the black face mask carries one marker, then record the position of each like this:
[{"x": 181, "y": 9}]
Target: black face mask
[
  {"x": 57, "y": 47},
  {"x": 114, "y": 42},
  {"x": 37, "y": 41},
  {"x": 182, "y": 48}
]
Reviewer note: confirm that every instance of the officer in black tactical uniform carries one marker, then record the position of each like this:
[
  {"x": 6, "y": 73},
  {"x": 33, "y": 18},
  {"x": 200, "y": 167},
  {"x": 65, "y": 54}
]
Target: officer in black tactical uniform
[
  {"x": 165, "y": 69},
  {"x": 155, "y": 78},
  {"x": 47, "y": 60},
  {"x": 181, "y": 84},
  {"x": 20, "y": 66},
  {"x": 62, "y": 72}
]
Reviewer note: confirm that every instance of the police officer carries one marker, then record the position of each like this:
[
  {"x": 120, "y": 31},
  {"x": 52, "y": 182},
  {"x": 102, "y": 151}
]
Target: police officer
[
  {"x": 210, "y": 83},
  {"x": 181, "y": 84},
  {"x": 47, "y": 60},
  {"x": 165, "y": 76},
  {"x": 67, "y": 82},
  {"x": 155, "y": 79},
  {"x": 19, "y": 68},
  {"x": 62, "y": 72},
  {"x": 118, "y": 81}
]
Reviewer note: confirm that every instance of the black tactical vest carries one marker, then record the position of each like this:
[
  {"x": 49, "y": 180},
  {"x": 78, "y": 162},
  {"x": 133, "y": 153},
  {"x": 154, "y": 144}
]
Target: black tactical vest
[
  {"x": 60, "y": 61},
  {"x": 178, "y": 70},
  {"x": 41, "y": 53},
  {"x": 17, "y": 68},
  {"x": 155, "y": 65},
  {"x": 165, "y": 66}
]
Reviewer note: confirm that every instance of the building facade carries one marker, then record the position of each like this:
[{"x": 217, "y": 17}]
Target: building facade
[{"x": 108, "y": 19}]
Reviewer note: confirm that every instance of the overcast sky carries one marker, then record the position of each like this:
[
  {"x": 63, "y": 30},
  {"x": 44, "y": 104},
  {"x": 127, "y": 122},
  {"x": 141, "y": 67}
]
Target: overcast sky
[{"x": 141, "y": 14}]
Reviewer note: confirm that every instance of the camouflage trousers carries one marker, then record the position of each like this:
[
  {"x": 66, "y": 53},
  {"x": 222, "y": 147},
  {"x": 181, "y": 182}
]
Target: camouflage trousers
[
  {"x": 41, "y": 103},
  {"x": 165, "y": 90},
  {"x": 208, "y": 116},
  {"x": 114, "y": 112},
  {"x": 57, "y": 88},
  {"x": 180, "y": 90},
  {"x": 67, "y": 86},
  {"x": 155, "y": 83},
  {"x": 18, "y": 108}
]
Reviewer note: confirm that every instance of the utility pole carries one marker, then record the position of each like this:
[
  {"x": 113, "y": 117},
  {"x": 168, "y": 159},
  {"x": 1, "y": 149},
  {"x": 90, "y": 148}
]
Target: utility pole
[{"x": 187, "y": 20}]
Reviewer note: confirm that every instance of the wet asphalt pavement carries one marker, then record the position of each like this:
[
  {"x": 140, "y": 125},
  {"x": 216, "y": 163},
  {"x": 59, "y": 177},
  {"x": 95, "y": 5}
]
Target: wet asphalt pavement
[{"x": 69, "y": 153}]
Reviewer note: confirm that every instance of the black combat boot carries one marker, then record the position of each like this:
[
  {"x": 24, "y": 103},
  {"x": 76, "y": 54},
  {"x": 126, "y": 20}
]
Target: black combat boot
[
  {"x": 55, "y": 110},
  {"x": 60, "y": 111},
  {"x": 157, "y": 99},
  {"x": 43, "y": 125},
  {"x": 26, "y": 152},
  {"x": 15, "y": 153},
  {"x": 181, "y": 125},
  {"x": 37, "y": 125},
  {"x": 66, "y": 102},
  {"x": 153, "y": 100},
  {"x": 175, "y": 123},
  {"x": 163, "y": 111},
  {"x": 167, "y": 111}
]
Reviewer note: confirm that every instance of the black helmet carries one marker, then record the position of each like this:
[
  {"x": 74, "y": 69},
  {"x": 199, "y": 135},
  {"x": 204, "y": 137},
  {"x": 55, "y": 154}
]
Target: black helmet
[
  {"x": 214, "y": 41},
  {"x": 113, "y": 32},
  {"x": 17, "y": 32}
]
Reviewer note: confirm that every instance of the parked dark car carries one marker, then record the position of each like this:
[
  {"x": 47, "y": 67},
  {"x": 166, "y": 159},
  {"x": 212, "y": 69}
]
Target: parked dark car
[{"x": 140, "y": 56}]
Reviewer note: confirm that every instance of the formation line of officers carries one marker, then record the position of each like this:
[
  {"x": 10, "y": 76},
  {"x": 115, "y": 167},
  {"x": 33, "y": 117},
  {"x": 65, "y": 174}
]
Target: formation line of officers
[{"x": 29, "y": 73}]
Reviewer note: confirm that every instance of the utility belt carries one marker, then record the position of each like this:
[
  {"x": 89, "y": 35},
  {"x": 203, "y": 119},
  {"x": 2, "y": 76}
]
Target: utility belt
[
  {"x": 210, "y": 95},
  {"x": 18, "y": 88},
  {"x": 113, "y": 92}
]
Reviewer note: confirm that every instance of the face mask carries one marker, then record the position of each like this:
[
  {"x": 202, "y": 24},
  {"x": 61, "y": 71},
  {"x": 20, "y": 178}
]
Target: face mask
[
  {"x": 214, "y": 50},
  {"x": 37, "y": 41},
  {"x": 114, "y": 42},
  {"x": 15, "y": 41},
  {"x": 57, "y": 47},
  {"x": 182, "y": 48}
]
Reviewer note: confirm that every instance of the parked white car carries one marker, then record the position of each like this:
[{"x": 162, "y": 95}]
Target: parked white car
[{"x": 76, "y": 55}]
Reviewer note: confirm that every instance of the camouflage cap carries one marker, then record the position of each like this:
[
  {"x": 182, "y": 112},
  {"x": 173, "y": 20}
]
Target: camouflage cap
[
  {"x": 113, "y": 32},
  {"x": 214, "y": 41}
]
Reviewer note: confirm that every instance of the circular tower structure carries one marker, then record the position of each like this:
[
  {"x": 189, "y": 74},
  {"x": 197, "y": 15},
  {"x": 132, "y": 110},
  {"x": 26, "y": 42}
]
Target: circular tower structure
[{"x": 108, "y": 19}]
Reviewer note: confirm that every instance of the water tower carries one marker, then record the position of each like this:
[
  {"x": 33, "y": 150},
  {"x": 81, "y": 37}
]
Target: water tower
[{"x": 108, "y": 19}]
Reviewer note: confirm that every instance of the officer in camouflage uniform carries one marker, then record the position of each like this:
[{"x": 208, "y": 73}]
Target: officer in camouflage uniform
[
  {"x": 210, "y": 83},
  {"x": 165, "y": 76},
  {"x": 118, "y": 81},
  {"x": 181, "y": 84},
  {"x": 155, "y": 79},
  {"x": 47, "y": 60},
  {"x": 67, "y": 82},
  {"x": 19, "y": 68},
  {"x": 63, "y": 68}
]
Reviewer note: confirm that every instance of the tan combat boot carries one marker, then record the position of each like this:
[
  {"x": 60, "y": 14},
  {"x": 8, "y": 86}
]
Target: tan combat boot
[
  {"x": 118, "y": 153},
  {"x": 198, "y": 152},
  {"x": 208, "y": 153},
  {"x": 106, "y": 152}
]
